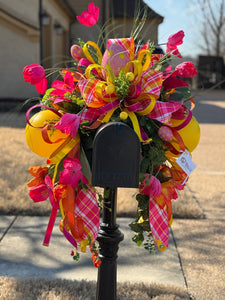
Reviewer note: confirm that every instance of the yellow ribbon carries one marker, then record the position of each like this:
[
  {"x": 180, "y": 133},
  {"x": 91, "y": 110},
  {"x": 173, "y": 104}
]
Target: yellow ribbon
[
  {"x": 150, "y": 107},
  {"x": 96, "y": 67},
  {"x": 137, "y": 69},
  {"x": 87, "y": 53},
  {"x": 61, "y": 152},
  {"x": 144, "y": 56},
  {"x": 61, "y": 209},
  {"x": 99, "y": 88},
  {"x": 108, "y": 115},
  {"x": 136, "y": 125},
  {"x": 160, "y": 245}
]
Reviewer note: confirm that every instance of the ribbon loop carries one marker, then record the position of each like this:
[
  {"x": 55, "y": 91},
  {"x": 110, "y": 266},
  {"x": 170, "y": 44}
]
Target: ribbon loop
[
  {"x": 89, "y": 55},
  {"x": 144, "y": 56}
]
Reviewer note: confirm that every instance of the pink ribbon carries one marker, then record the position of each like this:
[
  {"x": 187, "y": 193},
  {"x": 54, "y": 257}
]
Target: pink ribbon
[{"x": 40, "y": 105}]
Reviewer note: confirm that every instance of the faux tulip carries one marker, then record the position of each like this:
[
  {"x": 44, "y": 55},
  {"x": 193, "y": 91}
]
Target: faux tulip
[
  {"x": 175, "y": 40},
  {"x": 90, "y": 17},
  {"x": 186, "y": 69},
  {"x": 35, "y": 74}
]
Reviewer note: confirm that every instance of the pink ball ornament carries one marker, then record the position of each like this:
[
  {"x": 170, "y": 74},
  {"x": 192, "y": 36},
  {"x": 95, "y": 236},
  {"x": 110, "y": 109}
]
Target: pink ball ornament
[{"x": 165, "y": 133}]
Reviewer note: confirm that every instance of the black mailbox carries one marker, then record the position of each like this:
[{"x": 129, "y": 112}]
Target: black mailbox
[
  {"x": 115, "y": 163},
  {"x": 116, "y": 156}
]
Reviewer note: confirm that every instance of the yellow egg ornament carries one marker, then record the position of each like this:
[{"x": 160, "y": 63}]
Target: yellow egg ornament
[
  {"x": 34, "y": 137},
  {"x": 189, "y": 132}
]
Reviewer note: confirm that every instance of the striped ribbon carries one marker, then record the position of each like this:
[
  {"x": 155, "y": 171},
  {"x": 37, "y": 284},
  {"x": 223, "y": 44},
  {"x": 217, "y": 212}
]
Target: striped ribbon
[{"x": 158, "y": 218}]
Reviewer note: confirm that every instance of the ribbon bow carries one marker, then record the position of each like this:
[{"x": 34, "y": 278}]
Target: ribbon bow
[{"x": 120, "y": 79}]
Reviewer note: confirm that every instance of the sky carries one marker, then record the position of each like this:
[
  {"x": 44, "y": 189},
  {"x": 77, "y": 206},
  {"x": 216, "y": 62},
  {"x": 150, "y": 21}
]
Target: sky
[{"x": 179, "y": 15}]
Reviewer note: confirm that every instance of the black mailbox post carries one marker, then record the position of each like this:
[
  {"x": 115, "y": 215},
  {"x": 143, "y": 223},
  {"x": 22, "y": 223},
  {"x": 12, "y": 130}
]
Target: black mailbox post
[{"x": 116, "y": 158}]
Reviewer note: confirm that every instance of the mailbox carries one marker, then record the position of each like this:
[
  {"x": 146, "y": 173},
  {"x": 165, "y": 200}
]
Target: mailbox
[
  {"x": 115, "y": 163},
  {"x": 116, "y": 156}
]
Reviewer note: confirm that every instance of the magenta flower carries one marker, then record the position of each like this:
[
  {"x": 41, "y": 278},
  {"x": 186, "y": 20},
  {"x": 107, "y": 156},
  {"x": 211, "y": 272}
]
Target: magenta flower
[
  {"x": 63, "y": 87},
  {"x": 35, "y": 74},
  {"x": 186, "y": 69},
  {"x": 90, "y": 17},
  {"x": 175, "y": 40},
  {"x": 44, "y": 191},
  {"x": 69, "y": 124},
  {"x": 172, "y": 82},
  {"x": 151, "y": 188},
  {"x": 72, "y": 173}
]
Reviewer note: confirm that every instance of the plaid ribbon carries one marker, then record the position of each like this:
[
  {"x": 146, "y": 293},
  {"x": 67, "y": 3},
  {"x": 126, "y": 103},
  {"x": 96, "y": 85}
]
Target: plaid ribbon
[
  {"x": 155, "y": 59},
  {"x": 159, "y": 225},
  {"x": 151, "y": 82},
  {"x": 86, "y": 208},
  {"x": 90, "y": 114},
  {"x": 87, "y": 89},
  {"x": 163, "y": 110}
]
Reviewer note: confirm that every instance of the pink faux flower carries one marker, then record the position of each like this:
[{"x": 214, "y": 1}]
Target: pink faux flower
[
  {"x": 69, "y": 124},
  {"x": 44, "y": 191},
  {"x": 153, "y": 188},
  {"x": 172, "y": 82},
  {"x": 175, "y": 40},
  {"x": 63, "y": 87},
  {"x": 72, "y": 173},
  {"x": 35, "y": 74},
  {"x": 90, "y": 17},
  {"x": 186, "y": 69}
]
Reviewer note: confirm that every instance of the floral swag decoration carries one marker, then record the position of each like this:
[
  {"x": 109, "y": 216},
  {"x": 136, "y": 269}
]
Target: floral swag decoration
[{"x": 130, "y": 84}]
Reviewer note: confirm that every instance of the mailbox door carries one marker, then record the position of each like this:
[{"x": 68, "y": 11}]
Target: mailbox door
[{"x": 116, "y": 156}]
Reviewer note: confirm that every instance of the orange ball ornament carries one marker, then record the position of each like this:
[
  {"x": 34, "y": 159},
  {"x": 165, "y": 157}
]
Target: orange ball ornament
[
  {"x": 190, "y": 133},
  {"x": 34, "y": 136}
]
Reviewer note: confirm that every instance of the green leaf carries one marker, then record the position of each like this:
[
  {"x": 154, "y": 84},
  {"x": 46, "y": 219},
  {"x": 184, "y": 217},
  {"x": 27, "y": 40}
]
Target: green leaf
[
  {"x": 182, "y": 92},
  {"x": 45, "y": 100},
  {"x": 85, "y": 164},
  {"x": 146, "y": 226},
  {"x": 143, "y": 201},
  {"x": 107, "y": 193},
  {"x": 138, "y": 239},
  {"x": 144, "y": 165},
  {"x": 136, "y": 227}
]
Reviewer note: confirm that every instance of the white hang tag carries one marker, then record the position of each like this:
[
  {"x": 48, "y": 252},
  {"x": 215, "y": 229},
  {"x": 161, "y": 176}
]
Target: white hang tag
[{"x": 186, "y": 163}]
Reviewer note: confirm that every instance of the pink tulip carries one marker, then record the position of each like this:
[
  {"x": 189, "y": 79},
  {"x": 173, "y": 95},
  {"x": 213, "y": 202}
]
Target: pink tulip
[
  {"x": 186, "y": 69},
  {"x": 35, "y": 74},
  {"x": 175, "y": 40},
  {"x": 90, "y": 17}
]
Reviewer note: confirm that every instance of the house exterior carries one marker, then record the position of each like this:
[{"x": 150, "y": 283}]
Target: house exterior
[
  {"x": 42, "y": 31},
  {"x": 29, "y": 32},
  {"x": 116, "y": 20}
]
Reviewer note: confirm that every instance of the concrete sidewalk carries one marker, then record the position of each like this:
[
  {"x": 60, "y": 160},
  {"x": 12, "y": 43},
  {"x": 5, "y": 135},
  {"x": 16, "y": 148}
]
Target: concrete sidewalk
[{"x": 23, "y": 256}]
